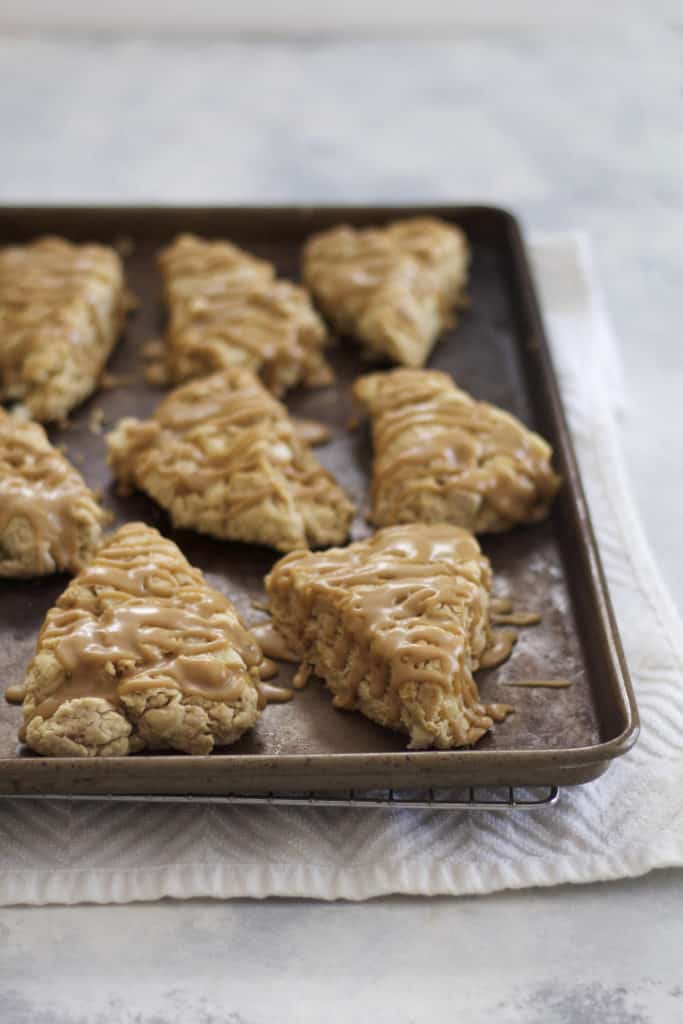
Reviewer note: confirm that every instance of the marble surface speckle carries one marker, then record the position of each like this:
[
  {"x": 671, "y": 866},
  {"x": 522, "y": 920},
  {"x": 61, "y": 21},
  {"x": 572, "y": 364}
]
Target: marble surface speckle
[
  {"x": 573, "y": 955},
  {"x": 570, "y": 128}
]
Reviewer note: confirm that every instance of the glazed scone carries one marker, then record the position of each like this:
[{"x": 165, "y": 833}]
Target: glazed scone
[
  {"x": 140, "y": 652},
  {"x": 394, "y": 288},
  {"x": 50, "y": 521},
  {"x": 222, "y": 456},
  {"x": 226, "y": 308},
  {"x": 395, "y": 625},
  {"x": 442, "y": 457},
  {"x": 61, "y": 310}
]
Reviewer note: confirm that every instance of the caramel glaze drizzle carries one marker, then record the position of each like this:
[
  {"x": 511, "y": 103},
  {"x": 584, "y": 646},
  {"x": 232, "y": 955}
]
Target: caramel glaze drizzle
[
  {"x": 201, "y": 429},
  {"x": 272, "y": 643},
  {"x": 39, "y": 485},
  {"x": 500, "y": 649},
  {"x": 15, "y": 694},
  {"x": 504, "y": 640},
  {"x": 139, "y": 617},
  {"x": 550, "y": 684},
  {"x": 269, "y": 694},
  {"x": 311, "y": 431},
  {"x": 516, "y": 618},
  {"x": 301, "y": 676},
  {"x": 418, "y": 593},
  {"x": 221, "y": 298},
  {"x": 269, "y": 668},
  {"x": 432, "y": 438}
]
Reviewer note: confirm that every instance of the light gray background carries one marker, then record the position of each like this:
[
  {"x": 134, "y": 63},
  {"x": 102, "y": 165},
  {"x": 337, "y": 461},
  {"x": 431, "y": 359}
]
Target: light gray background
[
  {"x": 309, "y": 17},
  {"x": 577, "y": 124}
]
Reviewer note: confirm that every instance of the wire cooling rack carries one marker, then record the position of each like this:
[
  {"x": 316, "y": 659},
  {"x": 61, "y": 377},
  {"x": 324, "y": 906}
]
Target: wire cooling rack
[{"x": 470, "y": 798}]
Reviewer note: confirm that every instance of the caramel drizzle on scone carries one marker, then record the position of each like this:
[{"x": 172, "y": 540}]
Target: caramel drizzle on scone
[
  {"x": 394, "y": 287},
  {"x": 226, "y": 308},
  {"x": 474, "y": 464},
  {"x": 141, "y": 617},
  {"x": 61, "y": 307},
  {"x": 217, "y": 431},
  {"x": 38, "y": 484},
  {"x": 413, "y": 605}
]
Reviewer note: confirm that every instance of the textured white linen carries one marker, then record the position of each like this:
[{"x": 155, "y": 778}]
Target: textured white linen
[{"x": 624, "y": 824}]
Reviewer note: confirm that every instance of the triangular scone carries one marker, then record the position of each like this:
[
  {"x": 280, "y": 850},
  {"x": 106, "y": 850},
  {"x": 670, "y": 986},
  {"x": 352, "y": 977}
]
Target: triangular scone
[
  {"x": 140, "y": 652},
  {"x": 395, "y": 625},
  {"x": 226, "y": 308},
  {"x": 393, "y": 288},
  {"x": 61, "y": 310},
  {"x": 223, "y": 457},
  {"x": 440, "y": 456},
  {"x": 50, "y": 520}
]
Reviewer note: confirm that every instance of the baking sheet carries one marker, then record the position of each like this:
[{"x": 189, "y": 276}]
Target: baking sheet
[{"x": 498, "y": 353}]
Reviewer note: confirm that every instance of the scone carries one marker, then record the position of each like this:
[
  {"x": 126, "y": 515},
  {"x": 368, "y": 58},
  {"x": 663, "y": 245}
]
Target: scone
[
  {"x": 227, "y": 309},
  {"x": 50, "y": 521},
  {"x": 61, "y": 310},
  {"x": 442, "y": 457},
  {"x": 140, "y": 652},
  {"x": 224, "y": 458},
  {"x": 395, "y": 625},
  {"x": 394, "y": 288}
]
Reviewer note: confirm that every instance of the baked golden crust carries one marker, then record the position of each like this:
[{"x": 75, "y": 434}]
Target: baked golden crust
[
  {"x": 227, "y": 309},
  {"x": 140, "y": 652},
  {"x": 394, "y": 288},
  {"x": 50, "y": 521},
  {"x": 223, "y": 457},
  {"x": 441, "y": 456},
  {"x": 61, "y": 309},
  {"x": 395, "y": 625}
]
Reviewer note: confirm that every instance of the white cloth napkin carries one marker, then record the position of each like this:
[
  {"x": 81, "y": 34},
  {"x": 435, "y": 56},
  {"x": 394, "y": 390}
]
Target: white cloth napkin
[{"x": 626, "y": 823}]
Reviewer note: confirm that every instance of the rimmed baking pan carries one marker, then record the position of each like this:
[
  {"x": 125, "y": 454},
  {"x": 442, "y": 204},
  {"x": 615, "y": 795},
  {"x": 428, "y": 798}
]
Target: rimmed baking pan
[{"x": 498, "y": 352}]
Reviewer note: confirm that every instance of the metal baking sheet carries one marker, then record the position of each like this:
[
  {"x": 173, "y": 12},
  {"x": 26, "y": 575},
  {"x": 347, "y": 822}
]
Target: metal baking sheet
[{"x": 498, "y": 352}]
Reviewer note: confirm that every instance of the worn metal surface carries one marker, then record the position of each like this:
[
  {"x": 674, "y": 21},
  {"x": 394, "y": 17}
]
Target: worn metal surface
[{"x": 498, "y": 353}]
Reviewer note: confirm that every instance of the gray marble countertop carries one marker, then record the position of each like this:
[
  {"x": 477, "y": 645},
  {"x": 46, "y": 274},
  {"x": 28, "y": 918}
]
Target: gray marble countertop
[
  {"x": 575, "y": 128},
  {"x": 595, "y": 954}
]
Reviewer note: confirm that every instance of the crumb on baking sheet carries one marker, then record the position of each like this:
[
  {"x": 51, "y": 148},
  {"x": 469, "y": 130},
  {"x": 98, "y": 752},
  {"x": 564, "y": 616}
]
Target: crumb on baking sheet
[
  {"x": 156, "y": 367},
  {"x": 156, "y": 374},
  {"x": 154, "y": 349},
  {"x": 130, "y": 300},
  {"x": 108, "y": 381},
  {"x": 95, "y": 420},
  {"x": 124, "y": 245}
]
